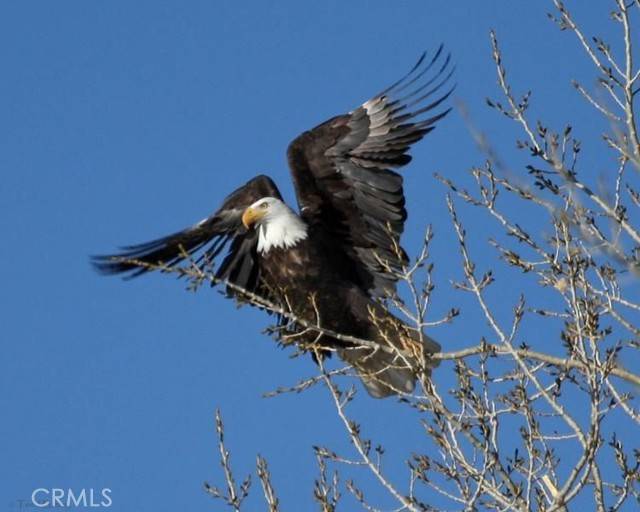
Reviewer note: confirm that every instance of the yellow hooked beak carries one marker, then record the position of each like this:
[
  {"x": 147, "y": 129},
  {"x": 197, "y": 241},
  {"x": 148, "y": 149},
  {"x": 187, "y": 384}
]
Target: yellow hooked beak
[{"x": 251, "y": 216}]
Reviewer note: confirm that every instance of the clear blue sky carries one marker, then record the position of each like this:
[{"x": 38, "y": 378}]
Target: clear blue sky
[{"x": 123, "y": 121}]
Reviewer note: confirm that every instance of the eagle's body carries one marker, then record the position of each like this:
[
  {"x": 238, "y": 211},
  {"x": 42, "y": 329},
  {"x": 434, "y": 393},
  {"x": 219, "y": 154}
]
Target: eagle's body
[
  {"x": 319, "y": 288},
  {"x": 330, "y": 266}
]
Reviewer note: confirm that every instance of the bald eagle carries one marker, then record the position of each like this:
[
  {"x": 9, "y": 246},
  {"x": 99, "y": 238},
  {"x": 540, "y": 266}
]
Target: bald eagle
[{"x": 332, "y": 263}]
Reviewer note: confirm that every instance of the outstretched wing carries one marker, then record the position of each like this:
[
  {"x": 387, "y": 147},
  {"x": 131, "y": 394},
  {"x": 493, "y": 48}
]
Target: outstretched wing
[
  {"x": 215, "y": 232},
  {"x": 342, "y": 170}
]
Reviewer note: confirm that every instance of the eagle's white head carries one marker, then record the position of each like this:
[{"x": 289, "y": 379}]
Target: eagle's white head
[{"x": 278, "y": 225}]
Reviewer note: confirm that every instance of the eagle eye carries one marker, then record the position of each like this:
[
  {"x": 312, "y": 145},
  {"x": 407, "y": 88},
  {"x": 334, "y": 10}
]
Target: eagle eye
[{"x": 264, "y": 205}]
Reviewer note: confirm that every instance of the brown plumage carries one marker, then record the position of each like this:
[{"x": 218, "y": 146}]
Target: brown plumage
[{"x": 331, "y": 264}]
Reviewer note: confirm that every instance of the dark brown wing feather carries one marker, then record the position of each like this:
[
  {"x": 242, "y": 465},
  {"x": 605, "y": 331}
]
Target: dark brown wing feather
[
  {"x": 225, "y": 225},
  {"x": 342, "y": 170}
]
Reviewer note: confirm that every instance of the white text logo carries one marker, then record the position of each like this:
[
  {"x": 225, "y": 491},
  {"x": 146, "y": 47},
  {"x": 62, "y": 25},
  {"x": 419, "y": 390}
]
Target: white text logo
[{"x": 57, "y": 497}]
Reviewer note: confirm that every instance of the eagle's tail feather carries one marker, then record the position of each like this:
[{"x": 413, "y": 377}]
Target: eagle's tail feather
[{"x": 385, "y": 373}]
